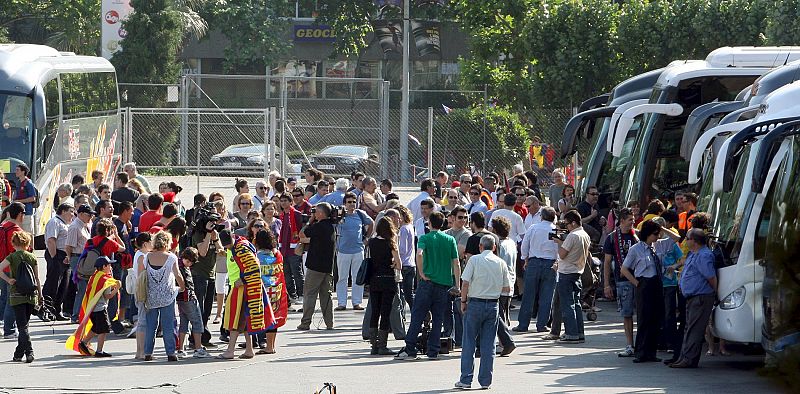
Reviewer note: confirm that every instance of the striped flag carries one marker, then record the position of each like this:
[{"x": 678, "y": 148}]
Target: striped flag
[{"x": 447, "y": 109}]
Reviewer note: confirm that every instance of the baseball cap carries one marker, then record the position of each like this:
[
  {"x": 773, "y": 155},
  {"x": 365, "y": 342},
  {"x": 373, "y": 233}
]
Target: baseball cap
[
  {"x": 102, "y": 261},
  {"x": 86, "y": 209},
  {"x": 455, "y": 184},
  {"x": 291, "y": 179}
]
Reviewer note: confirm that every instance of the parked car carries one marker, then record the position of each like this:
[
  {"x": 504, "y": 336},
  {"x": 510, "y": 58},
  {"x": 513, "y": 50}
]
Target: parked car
[
  {"x": 344, "y": 159},
  {"x": 245, "y": 155}
]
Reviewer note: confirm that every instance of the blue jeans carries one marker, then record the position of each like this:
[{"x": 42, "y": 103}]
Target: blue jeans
[
  {"x": 453, "y": 324},
  {"x": 407, "y": 286},
  {"x": 166, "y": 316},
  {"x": 76, "y": 307},
  {"x": 430, "y": 297},
  {"x": 569, "y": 292},
  {"x": 540, "y": 279},
  {"x": 116, "y": 324},
  {"x": 9, "y": 318},
  {"x": 480, "y": 320}
]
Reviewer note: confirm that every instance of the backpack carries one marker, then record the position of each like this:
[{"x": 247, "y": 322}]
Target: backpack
[
  {"x": 25, "y": 282},
  {"x": 4, "y": 252},
  {"x": 88, "y": 258}
]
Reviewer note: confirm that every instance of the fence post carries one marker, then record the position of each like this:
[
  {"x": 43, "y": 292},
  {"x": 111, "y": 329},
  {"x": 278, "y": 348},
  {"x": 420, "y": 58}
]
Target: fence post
[
  {"x": 430, "y": 142},
  {"x": 197, "y": 175},
  {"x": 273, "y": 126},
  {"x": 184, "y": 103},
  {"x": 385, "y": 129},
  {"x": 128, "y": 144}
]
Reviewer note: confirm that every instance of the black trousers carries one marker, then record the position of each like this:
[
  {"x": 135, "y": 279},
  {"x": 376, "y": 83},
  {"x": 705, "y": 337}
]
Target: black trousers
[
  {"x": 649, "y": 315},
  {"x": 55, "y": 284},
  {"x": 382, "y": 309},
  {"x": 22, "y": 315},
  {"x": 698, "y": 313},
  {"x": 205, "y": 290}
]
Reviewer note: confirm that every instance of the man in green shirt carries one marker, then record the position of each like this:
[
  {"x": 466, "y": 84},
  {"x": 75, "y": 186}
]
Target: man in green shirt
[{"x": 437, "y": 264}]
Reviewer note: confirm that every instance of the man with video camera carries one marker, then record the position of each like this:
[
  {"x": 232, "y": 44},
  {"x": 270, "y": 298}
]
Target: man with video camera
[
  {"x": 205, "y": 238},
  {"x": 573, "y": 251},
  {"x": 320, "y": 235}
]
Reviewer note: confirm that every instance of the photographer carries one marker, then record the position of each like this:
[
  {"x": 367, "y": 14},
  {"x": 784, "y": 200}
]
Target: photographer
[
  {"x": 539, "y": 252},
  {"x": 320, "y": 236},
  {"x": 206, "y": 239},
  {"x": 572, "y": 252},
  {"x": 353, "y": 229}
]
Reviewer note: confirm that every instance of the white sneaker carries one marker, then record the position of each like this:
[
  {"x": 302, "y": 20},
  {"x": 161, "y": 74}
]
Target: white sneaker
[
  {"x": 181, "y": 354},
  {"x": 597, "y": 309},
  {"x": 201, "y": 353},
  {"x": 298, "y": 301},
  {"x": 628, "y": 352},
  {"x": 462, "y": 386},
  {"x": 10, "y": 336},
  {"x": 403, "y": 355}
]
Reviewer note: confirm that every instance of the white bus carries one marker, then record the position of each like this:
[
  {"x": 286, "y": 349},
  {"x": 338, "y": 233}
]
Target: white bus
[{"x": 59, "y": 115}]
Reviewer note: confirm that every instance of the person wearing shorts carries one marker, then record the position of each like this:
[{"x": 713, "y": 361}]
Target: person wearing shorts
[
  {"x": 189, "y": 308},
  {"x": 615, "y": 249}
]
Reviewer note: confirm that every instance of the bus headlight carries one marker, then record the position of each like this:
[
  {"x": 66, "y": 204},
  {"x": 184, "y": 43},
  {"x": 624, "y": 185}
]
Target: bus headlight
[{"x": 734, "y": 300}]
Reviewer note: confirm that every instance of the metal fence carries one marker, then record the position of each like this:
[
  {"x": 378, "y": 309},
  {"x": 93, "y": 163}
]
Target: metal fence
[{"x": 312, "y": 113}]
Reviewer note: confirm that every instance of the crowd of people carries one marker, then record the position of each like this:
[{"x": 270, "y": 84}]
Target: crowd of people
[{"x": 128, "y": 260}]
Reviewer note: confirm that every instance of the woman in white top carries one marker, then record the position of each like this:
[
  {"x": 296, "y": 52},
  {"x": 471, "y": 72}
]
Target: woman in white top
[
  {"x": 568, "y": 200},
  {"x": 143, "y": 245},
  {"x": 506, "y": 250},
  {"x": 161, "y": 268}
]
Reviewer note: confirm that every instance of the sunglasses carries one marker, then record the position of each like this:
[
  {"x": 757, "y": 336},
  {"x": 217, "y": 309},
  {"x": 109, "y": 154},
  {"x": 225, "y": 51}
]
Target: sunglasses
[
  {"x": 461, "y": 217},
  {"x": 520, "y": 195},
  {"x": 350, "y": 202},
  {"x": 452, "y": 196},
  {"x": 474, "y": 194},
  {"x": 257, "y": 225},
  {"x": 262, "y": 188}
]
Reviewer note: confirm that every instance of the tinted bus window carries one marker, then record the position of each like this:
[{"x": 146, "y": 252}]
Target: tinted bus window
[{"x": 88, "y": 94}]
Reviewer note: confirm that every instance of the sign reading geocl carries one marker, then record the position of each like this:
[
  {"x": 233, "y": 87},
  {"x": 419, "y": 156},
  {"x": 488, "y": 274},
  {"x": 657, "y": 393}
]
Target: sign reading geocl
[{"x": 311, "y": 33}]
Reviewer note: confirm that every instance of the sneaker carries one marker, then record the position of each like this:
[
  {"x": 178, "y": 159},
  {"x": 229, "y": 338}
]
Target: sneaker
[
  {"x": 85, "y": 349},
  {"x": 201, "y": 353},
  {"x": 403, "y": 355},
  {"x": 127, "y": 323},
  {"x": 29, "y": 358},
  {"x": 519, "y": 329},
  {"x": 209, "y": 345},
  {"x": 462, "y": 386},
  {"x": 550, "y": 337},
  {"x": 597, "y": 309},
  {"x": 433, "y": 358},
  {"x": 17, "y": 359},
  {"x": 628, "y": 352},
  {"x": 298, "y": 301},
  {"x": 485, "y": 387},
  {"x": 10, "y": 336},
  {"x": 224, "y": 338},
  {"x": 303, "y": 327},
  {"x": 358, "y": 307},
  {"x": 101, "y": 354},
  {"x": 148, "y": 357},
  {"x": 180, "y": 354},
  {"x": 340, "y": 308},
  {"x": 172, "y": 357},
  {"x": 507, "y": 350},
  {"x": 570, "y": 340}
]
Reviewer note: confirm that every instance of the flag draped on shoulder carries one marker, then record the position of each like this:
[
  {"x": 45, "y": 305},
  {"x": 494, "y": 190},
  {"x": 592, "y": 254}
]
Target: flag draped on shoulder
[{"x": 97, "y": 285}]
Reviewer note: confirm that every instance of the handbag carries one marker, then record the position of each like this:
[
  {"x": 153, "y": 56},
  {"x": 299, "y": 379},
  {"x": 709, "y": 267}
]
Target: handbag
[
  {"x": 363, "y": 271},
  {"x": 130, "y": 281},
  {"x": 141, "y": 284}
]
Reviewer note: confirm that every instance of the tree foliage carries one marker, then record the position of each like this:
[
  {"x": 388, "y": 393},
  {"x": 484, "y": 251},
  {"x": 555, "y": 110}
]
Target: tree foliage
[
  {"x": 506, "y": 137},
  {"x": 67, "y": 25},
  {"x": 782, "y": 27},
  {"x": 256, "y": 32}
]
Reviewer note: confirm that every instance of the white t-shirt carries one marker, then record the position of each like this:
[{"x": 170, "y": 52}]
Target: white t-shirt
[{"x": 517, "y": 230}]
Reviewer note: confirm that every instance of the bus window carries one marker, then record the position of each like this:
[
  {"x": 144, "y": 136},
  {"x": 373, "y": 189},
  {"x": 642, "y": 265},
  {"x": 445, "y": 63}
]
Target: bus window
[
  {"x": 46, "y": 138},
  {"x": 91, "y": 94},
  {"x": 15, "y": 127}
]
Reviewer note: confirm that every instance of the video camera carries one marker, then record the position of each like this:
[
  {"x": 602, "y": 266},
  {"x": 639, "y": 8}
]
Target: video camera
[
  {"x": 205, "y": 214},
  {"x": 337, "y": 213},
  {"x": 560, "y": 232}
]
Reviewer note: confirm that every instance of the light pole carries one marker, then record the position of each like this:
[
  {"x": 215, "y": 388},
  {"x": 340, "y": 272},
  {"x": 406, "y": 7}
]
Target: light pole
[{"x": 405, "y": 100}]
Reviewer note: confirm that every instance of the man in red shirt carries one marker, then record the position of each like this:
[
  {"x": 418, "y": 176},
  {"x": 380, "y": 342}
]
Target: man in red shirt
[
  {"x": 12, "y": 219},
  {"x": 299, "y": 201},
  {"x": 519, "y": 207},
  {"x": 153, "y": 214}
]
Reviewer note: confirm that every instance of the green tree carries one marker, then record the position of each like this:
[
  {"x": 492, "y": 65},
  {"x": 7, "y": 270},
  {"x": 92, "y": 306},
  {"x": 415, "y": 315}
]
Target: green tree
[
  {"x": 782, "y": 27},
  {"x": 256, "y": 31},
  {"x": 67, "y": 25},
  {"x": 150, "y": 55},
  {"x": 506, "y": 138}
]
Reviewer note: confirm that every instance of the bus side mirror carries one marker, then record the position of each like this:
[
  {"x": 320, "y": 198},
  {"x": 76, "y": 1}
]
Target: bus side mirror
[{"x": 39, "y": 108}]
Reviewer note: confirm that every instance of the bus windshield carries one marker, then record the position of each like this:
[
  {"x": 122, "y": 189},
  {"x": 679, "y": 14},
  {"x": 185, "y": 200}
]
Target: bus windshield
[
  {"x": 16, "y": 127},
  {"x": 612, "y": 169},
  {"x": 730, "y": 214}
]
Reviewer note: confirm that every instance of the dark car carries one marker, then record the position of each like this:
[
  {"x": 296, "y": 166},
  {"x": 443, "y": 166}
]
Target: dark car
[
  {"x": 344, "y": 159},
  {"x": 243, "y": 155}
]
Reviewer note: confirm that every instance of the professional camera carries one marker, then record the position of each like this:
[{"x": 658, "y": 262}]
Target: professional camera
[
  {"x": 560, "y": 231},
  {"x": 337, "y": 213},
  {"x": 205, "y": 214}
]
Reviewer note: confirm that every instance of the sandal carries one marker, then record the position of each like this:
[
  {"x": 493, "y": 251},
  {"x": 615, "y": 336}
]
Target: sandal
[
  {"x": 245, "y": 356},
  {"x": 216, "y": 320},
  {"x": 265, "y": 351},
  {"x": 221, "y": 357}
]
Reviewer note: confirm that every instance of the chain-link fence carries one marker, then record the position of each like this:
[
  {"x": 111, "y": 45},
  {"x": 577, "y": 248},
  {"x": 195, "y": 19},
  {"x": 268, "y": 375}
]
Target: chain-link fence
[{"x": 337, "y": 125}]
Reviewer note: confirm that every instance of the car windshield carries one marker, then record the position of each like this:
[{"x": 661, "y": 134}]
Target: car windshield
[
  {"x": 360, "y": 151},
  {"x": 16, "y": 128},
  {"x": 244, "y": 150}
]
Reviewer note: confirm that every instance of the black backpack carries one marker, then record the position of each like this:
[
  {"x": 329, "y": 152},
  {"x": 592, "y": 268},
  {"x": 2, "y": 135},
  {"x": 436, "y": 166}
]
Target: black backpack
[{"x": 25, "y": 282}]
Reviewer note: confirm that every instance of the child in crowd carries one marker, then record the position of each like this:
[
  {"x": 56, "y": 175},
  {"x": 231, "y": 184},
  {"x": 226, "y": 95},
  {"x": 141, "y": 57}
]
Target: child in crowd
[
  {"x": 189, "y": 308},
  {"x": 23, "y": 302},
  {"x": 101, "y": 281},
  {"x": 143, "y": 245}
]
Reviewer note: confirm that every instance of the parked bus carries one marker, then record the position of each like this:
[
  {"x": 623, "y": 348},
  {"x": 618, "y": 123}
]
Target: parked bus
[
  {"x": 59, "y": 115},
  {"x": 655, "y": 165},
  {"x": 778, "y": 161}
]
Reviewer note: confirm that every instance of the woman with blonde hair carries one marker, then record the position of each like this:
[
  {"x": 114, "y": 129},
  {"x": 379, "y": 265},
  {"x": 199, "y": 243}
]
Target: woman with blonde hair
[
  {"x": 244, "y": 205},
  {"x": 161, "y": 268}
]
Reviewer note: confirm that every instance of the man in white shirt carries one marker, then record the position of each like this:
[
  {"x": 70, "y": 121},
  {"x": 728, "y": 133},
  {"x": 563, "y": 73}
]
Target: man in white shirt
[
  {"x": 539, "y": 252},
  {"x": 55, "y": 233},
  {"x": 572, "y": 252},
  {"x": 517, "y": 224},
  {"x": 260, "y": 196},
  {"x": 475, "y": 204},
  {"x": 421, "y": 222},
  {"x": 534, "y": 207},
  {"x": 77, "y": 235},
  {"x": 484, "y": 279},
  {"x": 427, "y": 189}
]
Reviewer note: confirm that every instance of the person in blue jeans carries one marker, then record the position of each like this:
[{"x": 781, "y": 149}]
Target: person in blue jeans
[
  {"x": 9, "y": 322},
  {"x": 572, "y": 252},
  {"x": 161, "y": 268},
  {"x": 485, "y": 278},
  {"x": 539, "y": 253},
  {"x": 437, "y": 259}
]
